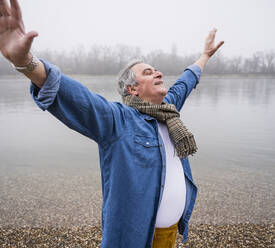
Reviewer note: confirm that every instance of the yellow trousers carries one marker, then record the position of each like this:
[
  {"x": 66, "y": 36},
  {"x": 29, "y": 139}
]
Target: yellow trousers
[{"x": 165, "y": 237}]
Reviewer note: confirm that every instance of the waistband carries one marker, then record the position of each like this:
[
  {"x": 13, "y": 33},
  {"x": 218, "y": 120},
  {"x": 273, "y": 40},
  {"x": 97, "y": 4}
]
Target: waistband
[{"x": 165, "y": 229}]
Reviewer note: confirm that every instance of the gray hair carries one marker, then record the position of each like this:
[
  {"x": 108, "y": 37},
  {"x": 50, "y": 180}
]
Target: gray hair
[{"x": 127, "y": 77}]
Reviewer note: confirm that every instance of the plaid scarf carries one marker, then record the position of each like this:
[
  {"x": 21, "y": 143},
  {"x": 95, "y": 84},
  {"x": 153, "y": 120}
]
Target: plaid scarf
[{"x": 183, "y": 139}]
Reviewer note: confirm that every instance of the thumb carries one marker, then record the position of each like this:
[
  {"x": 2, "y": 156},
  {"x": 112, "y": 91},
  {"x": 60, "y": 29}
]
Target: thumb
[
  {"x": 219, "y": 45},
  {"x": 28, "y": 38}
]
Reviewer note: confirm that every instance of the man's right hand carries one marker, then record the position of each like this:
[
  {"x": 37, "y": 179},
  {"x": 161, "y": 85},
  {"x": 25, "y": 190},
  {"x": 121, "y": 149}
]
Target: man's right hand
[{"x": 15, "y": 43}]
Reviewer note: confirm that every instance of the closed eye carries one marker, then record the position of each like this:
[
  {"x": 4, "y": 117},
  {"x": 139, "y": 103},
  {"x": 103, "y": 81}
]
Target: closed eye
[{"x": 147, "y": 71}]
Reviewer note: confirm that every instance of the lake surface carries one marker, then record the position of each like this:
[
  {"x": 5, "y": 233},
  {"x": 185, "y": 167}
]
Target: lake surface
[{"x": 232, "y": 118}]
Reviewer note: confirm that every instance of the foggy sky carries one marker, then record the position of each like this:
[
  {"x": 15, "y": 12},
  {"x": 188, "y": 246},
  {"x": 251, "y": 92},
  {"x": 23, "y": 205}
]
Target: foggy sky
[{"x": 246, "y": 26}]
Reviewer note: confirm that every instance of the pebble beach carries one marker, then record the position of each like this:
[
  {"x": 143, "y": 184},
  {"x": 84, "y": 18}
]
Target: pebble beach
[{"x": 61, "y": 208}]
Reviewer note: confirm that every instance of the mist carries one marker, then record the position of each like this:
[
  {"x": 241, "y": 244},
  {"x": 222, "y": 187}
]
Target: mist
[{"x": 109, "y": 60}]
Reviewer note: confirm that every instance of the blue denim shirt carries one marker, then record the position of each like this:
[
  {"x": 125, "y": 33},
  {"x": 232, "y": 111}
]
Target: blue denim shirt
[{"x": 132, "y": 155}]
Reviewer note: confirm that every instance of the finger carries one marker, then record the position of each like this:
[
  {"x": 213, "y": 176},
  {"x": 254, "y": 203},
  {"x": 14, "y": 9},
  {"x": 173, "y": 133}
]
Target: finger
[
  {"x": 212, "y": 33},
  {"x": 16, "y": 13},
  {"x": 15, "y": 9},
  {"x": 29, "y": 38},
  {"x": 214, "y": 30},
  {"x": 219, "y": 45},
  {"x": 4, "y": 8},
  {"x": 210, "y": 37}
]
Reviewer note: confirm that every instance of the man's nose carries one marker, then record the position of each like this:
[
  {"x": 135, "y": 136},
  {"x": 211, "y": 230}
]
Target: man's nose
[{"x": 158, "y": 74}]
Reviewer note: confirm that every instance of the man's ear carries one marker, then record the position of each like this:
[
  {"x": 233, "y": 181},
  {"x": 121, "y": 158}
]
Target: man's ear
[{"x": 132, "y": 89}]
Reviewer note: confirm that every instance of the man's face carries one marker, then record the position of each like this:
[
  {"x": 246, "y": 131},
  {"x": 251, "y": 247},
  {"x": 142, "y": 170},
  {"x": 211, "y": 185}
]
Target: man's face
[{"x": 149, "y": 86}]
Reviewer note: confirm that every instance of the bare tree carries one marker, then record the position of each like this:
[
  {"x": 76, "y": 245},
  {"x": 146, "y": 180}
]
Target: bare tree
[{"x": 108, "y": 60}]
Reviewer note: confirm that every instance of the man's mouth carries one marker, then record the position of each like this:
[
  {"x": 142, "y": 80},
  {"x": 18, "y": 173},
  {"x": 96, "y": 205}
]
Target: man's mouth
[{"x": 158, "y": 82}]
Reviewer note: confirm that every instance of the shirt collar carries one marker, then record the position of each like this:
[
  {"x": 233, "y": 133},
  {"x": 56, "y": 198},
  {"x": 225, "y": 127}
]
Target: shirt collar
[{"x": 147, "y": 117}]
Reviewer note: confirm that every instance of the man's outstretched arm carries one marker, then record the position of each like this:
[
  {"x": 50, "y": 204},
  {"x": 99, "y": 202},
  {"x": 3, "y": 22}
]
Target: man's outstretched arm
[
  {"x": 188, "y": 80},
  {"x": 68, "y": 100},
  {"x": 15, "y": 43}
]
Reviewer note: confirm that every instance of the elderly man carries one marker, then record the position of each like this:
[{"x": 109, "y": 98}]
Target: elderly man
[{"x": 147, "y": 186}]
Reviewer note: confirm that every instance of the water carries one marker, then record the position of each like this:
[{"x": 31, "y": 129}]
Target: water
[
  {"x": 233, "y": 121},
  {"x": 232, "y": 118}
]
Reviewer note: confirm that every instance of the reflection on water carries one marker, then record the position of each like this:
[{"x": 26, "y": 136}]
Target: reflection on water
[
  {"x": 249, "y": 90},
  {"x": 232, "y": 118},
  {"x": 14, "y": 90}
]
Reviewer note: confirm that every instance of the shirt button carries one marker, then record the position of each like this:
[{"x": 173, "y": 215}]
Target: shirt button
[{"x": 147, "y": 143}]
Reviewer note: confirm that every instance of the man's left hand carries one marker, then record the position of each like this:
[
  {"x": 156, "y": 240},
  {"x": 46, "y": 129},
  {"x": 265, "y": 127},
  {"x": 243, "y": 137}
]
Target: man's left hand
[{"x": 209, "y": 47}]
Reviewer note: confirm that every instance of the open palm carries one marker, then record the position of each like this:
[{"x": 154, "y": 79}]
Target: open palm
[
  {"x": 210, "y": 48},
  {"x": 15, "y": 44}
]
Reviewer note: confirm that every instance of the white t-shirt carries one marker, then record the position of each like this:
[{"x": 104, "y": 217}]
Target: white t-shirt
[{"x": 174, "y": 194}]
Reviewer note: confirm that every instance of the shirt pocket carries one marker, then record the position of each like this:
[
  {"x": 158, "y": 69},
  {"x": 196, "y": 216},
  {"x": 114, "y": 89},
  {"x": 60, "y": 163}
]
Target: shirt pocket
[{"x": 146, "y": 151}]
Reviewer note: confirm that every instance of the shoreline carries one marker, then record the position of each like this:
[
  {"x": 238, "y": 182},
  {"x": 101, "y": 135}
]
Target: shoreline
[
  {"x": 204, "y": 75},
  {"x": 200, "y": 236}
]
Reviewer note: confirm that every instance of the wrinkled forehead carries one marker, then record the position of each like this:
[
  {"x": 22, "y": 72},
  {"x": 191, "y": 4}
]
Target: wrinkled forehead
[{"x": 138, "y": 69}]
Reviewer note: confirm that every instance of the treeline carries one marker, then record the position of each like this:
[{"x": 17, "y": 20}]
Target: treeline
[{"x": 104, "y": 60}]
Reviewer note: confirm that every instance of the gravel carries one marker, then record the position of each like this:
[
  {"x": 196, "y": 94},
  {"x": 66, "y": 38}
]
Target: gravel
[
  {"x": 242, "y": 235},
  {"x": 61, "y": 208}
]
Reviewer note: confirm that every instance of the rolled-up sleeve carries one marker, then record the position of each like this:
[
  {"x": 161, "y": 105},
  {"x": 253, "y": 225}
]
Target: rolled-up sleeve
[
  {"x": 187, "y": 81},
  {"x": 45, "y": 96},
  {"x": 77, "y": 107}
]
